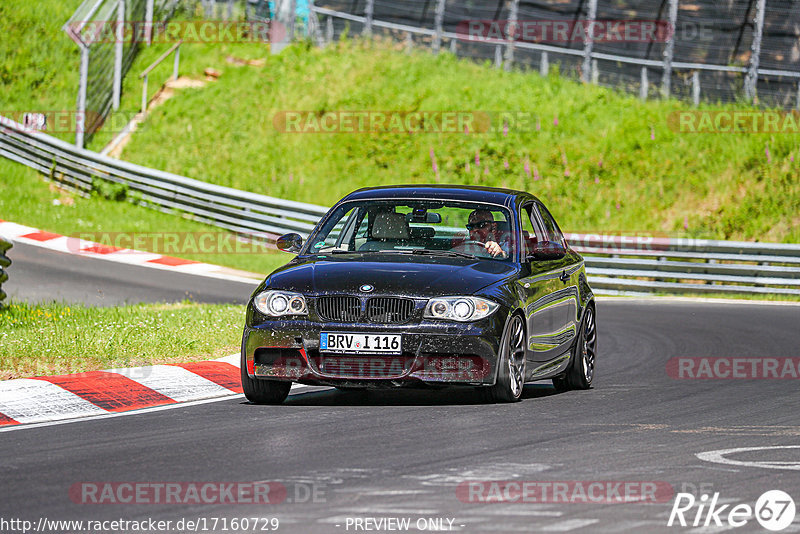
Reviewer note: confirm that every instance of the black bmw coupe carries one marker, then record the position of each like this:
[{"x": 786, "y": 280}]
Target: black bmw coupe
[{"x": 424, "y": 286}]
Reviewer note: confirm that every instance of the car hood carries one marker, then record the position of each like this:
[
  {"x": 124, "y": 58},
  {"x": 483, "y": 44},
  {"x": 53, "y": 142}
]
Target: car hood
[{"x": 390, "y": 274}]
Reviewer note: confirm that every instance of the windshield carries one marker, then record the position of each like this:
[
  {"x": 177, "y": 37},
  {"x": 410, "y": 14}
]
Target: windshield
[{"x": 447, "y": 228}]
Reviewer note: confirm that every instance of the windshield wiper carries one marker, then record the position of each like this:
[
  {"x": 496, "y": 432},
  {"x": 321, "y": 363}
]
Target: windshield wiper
[{"x": 452, "y": 253}]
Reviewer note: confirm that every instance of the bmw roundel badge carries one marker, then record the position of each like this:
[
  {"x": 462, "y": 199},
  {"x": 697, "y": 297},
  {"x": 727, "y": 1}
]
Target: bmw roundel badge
[{"x": 366, "y": 288}]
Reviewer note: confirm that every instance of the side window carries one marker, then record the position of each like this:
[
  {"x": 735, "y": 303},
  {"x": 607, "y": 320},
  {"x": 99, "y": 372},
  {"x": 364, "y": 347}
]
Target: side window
[
  {"x": 553, "y": 232},
  {"x": 528, "y": 232}
]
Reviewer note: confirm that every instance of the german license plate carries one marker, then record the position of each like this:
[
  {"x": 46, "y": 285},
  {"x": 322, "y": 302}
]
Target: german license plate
[{"x": 347, "y": 343}]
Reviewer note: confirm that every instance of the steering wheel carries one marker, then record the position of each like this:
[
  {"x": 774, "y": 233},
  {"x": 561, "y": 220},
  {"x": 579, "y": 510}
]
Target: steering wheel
[{"x": 471, "y": 246}]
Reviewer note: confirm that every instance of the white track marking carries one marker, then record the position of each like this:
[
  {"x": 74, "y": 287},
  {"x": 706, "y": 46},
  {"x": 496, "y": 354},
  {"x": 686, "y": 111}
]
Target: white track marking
[
  {"x": 569, "y": 524},
  {"x": 176, "y": 383},
  {"x": 296, "y": 390},
  {"x": 719, "y": 457},
  {"x": 30, "y": 401}
]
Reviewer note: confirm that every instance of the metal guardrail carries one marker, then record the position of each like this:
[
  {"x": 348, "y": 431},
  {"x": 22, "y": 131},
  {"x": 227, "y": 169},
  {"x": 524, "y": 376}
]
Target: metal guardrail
[
  {"x": 4, "y": 263},
  {"x": 642, "y": 264},
  {"x": 79, "y": 169},
  {"x": 615, "y": 264}
]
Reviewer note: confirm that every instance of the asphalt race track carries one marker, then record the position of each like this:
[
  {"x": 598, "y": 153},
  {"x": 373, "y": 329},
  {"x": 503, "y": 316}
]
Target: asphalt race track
[
  {"x": 348, "y": 456},
  {"x": 40, "y": 275}
]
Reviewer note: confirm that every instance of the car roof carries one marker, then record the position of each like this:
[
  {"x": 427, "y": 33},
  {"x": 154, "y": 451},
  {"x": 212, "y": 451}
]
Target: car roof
[{"x": 494, "y": 195}]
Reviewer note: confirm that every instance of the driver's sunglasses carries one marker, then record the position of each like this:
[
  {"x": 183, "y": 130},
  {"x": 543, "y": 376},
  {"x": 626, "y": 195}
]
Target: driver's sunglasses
[{"x": 478, "y": 225}]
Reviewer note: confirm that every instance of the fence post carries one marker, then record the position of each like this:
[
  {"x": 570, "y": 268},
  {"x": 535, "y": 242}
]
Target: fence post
[
  {"x": 595, "y": 72},
  {"x": 669, "y": 50},
  {"x": 798, "y": 95},
  {"x": 409, "y": 42},
  {"x": 80, "y": 118},
  {"x": 144, "y": 97},
  {"x": 148, "y": 22},
  {"x": 329, "y": 30},
  {"x": 511, "y": 33},
  {"x": 453, "y": 47},
  {"x": 118, "y": 51},
  {"x": 368, "y": 11},
  {"x": 438, "y": 21},
  {"x": 589, "y": 44},
  {"x": 644, "y": 85},
  {"x": 544, "y": 65},
  {"x": 696, "y": 88},
  {"x": 229, "y": 13},
  {"x": 498, "y": 56},
  {"x": 292, "y": 18},
  {"x": 751, "y": 79}
]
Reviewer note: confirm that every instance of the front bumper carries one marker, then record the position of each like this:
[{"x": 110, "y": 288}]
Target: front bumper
[{"x": 434, "y": 352}]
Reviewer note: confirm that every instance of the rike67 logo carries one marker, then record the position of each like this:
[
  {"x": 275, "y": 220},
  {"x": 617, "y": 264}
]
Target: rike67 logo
[{"x": 774, "y": 510}]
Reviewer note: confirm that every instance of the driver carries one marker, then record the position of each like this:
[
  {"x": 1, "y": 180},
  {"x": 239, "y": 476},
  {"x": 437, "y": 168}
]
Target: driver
[{"x": 483, "y": 228}]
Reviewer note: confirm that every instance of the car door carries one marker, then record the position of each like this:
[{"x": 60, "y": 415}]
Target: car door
[
  {"x": 569, "y": 268},
  {"x": 544, "y": 298}
]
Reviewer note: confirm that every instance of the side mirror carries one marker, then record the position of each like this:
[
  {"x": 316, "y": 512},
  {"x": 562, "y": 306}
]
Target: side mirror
[
  {"x": 547, "y": 250},
  {"x": 289, "y": 243}
]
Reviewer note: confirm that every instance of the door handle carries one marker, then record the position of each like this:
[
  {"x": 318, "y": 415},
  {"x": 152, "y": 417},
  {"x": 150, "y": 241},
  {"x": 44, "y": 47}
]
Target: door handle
[{"x": 564, "y": 277}]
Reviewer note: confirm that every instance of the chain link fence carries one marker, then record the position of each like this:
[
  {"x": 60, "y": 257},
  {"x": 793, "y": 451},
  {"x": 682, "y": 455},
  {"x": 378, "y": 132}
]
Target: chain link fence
[{"x": 701, "y": 49}]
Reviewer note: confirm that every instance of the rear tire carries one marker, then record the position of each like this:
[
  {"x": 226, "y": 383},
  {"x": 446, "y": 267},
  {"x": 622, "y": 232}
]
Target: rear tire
[
  {"x": 580, "y": 371},
  {"x": 263, "y": 391},
  {"x": 511, "y": 372}
]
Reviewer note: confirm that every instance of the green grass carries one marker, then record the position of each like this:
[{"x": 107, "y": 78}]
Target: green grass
[
  {"x": 620, "y": 179},
  {"x": 38, "y": 62},
  {"x": 54, "y": 338}
]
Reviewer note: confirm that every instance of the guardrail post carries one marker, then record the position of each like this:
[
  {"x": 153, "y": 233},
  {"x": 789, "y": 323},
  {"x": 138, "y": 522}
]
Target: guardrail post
[
  {"x": 544, "y": 65},
  {"x": 595, "y": 72},
  {"x": 751, "y": 79},
  {"x": 118, "y": 51},
  {"x": 438, "y": 21},
  {"x": 644, "y": 85},
  {"x": 511, "y": 33},
  {"x": 148, "y": 22},
  {"x": 589, "y": 44},
  {"x": 498, "y": 56},
  {"x": 80, "y": 118},
  {"x": 454, "y": 51},
  {"x": 329, "y": 30},
  {"x": 177, "y": 62},
  {"x": 669, "y": 50},
  {"x": 4, "y": 263},
  {"x": 368, "y": 10},
  {"x": 409, "y": 42},
  {"x": 696, "y": 88}
]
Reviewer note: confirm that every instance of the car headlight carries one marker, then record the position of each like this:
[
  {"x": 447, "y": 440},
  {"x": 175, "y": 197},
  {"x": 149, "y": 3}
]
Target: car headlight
[
  {"x": 460, "y": 308},
  {"x": 279, "y": 303}
]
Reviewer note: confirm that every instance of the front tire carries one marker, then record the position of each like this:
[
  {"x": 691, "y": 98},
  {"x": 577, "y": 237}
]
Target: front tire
[
  {"x": 511, "y": 374},
  {"x": 263, "y": 391},
  {"x": 580, "y": 372}
]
